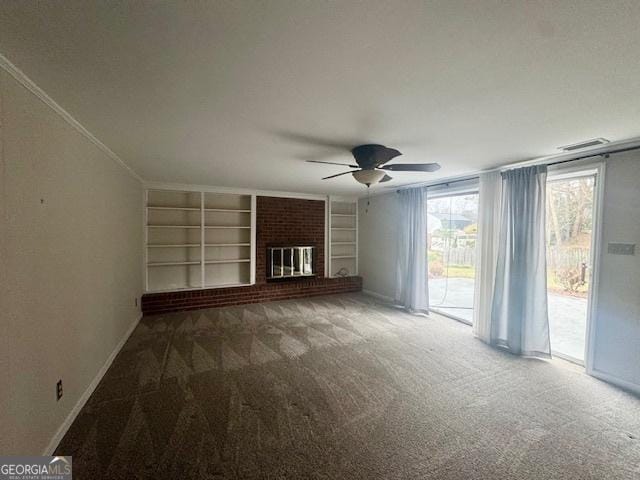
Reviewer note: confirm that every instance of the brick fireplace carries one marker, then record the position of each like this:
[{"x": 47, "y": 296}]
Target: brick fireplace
[{"x": 282, "y": 222}]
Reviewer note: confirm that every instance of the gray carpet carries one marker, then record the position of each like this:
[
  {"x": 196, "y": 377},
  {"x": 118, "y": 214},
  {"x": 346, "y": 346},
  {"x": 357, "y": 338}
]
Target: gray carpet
[{"x": 342, "y": 387}]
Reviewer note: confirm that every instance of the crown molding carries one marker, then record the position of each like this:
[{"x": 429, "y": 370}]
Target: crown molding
[{"x": 26, "y": 82}]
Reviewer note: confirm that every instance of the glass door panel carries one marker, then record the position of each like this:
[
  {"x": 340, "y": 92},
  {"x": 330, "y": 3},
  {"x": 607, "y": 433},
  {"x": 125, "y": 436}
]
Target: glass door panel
[
  {"x": 570, "y": 203},
  {"x": 451, "y": 248}
]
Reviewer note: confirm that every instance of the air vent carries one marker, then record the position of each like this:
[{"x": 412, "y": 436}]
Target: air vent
[{"x": 586, "y": 144}]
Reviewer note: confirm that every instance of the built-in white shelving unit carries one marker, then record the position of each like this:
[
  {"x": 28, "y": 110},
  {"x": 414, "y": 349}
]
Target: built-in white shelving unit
[
  {"x": 198, "y": 240},
  {"x": 343, "y": 237}
]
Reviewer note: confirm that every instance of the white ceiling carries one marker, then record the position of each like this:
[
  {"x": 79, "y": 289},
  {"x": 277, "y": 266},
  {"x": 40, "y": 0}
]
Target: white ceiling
[{"x": 215, "y": 92}]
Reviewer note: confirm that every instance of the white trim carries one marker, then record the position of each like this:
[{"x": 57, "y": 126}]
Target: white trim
[
  {"x": 327, "y": 236},
  {"x": 26, "y": 82},
  {"x": 571, "y": 174},
  {"x": 57, "y": 438},
  {"x": 344, "y": 198},
  {"x": 379, "y": 296},
  {"x": 357, "y": 245},
  {"x": 568, "y": 170},
  {"x": 607, "y": 377},
  {"x": 596, "y": 249},
  {"x": 451, "y": 316},
  {"x": 145, "y": 240},
  {"x": 568, "y": 358},
  {"x": 592, "y": 167},
  {"x": 203, "y": 248},
  {"x": 393, "y": 304},
  {"x": 252, "y": 241},
  {"x": 453, "y": 192},
  {"x": 185, "y": 187}
]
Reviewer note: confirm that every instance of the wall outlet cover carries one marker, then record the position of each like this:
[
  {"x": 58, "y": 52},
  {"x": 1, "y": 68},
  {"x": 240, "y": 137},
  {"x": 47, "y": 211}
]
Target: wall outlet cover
[{"x": 621, "y": 248}]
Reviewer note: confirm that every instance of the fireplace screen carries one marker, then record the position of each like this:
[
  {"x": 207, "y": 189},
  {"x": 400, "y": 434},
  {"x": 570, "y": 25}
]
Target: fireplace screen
[{"x": 288, "y": 262}]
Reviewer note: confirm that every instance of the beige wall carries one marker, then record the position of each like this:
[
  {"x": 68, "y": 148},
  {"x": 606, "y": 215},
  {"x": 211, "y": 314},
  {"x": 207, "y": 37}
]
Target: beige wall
[
  {"x": 377, "y": 243},
  {"x": 71, "y": 258},
  {"x": 617, "y": 339}
]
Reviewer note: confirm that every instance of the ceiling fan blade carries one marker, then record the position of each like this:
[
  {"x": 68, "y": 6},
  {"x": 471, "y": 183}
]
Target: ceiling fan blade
[
  {"x": 338, "y": 174},
  {"x": 389, "y": 155},
  {"x": 333, "y": 163},
  {"x": 386, "y": 178},
  {"x": 412, "y": 167}
]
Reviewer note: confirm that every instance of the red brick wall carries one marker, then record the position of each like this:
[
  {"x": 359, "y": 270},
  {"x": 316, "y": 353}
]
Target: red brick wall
[
  {"x": 288, "y": 221},
  {"x": 154, "y": 303}
]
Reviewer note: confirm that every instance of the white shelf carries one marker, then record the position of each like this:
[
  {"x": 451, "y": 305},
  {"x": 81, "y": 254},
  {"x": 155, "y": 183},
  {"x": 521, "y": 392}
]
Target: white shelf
[
  {"x": 174, "y": 245},
  {"x": 225, "y": 226},
  {"x": 228, "y": 210},
  {"x": 227, "y": 285},
  {"x": 191, "y": 209},
  {"x": 171, "y": 264},
  {"x": 178, "y": 223},
  {"x": 227, "y": 244},
  {"x": 343, "y": 236},
  {"x": 237, "y": 260},
  {"x": 173, "y": 226},
  {"x": 167, "y": 290}
]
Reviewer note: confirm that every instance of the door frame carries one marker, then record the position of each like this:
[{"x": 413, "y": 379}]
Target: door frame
[
  {"x": 599, "y": 166},
  {"x": 467, "y": 189}
]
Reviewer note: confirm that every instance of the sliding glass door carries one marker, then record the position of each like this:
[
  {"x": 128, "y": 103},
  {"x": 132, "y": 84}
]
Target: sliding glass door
[
  {"x": 570, "y": 227},
  {"x": 451, "y": 248}
]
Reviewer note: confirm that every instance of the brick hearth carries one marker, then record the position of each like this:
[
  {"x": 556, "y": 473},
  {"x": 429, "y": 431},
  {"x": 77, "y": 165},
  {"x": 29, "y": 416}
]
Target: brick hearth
[{"x": 220, "y": 297}]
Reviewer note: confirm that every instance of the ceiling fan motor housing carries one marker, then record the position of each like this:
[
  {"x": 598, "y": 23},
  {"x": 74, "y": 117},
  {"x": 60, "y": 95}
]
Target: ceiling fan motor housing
[{"x": 371, "y": 155}]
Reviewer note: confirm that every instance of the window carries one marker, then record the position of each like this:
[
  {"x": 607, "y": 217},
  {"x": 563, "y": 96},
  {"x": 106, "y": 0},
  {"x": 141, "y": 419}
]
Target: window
[{"x": 451, "y": 248}]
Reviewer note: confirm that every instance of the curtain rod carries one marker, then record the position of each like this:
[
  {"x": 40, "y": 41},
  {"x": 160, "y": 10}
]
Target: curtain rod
[
  {"x": 465, "y": 179},
  {"x": 604, "y": 154}
]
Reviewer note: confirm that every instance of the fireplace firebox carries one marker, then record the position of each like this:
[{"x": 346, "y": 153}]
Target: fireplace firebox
[{"x": 290, "y": 262}]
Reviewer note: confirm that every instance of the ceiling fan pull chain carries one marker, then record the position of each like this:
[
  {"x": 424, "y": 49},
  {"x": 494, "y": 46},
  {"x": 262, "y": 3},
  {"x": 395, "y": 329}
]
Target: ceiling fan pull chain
[{"x": 366, "y": 210}]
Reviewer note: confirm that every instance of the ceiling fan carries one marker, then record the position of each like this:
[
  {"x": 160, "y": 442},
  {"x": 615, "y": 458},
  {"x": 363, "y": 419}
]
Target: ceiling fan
[{"x": 371, "y": 160}]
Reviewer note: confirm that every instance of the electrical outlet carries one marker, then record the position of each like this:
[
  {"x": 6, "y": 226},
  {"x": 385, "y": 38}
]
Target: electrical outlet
[{"x": 59, "y": 390}]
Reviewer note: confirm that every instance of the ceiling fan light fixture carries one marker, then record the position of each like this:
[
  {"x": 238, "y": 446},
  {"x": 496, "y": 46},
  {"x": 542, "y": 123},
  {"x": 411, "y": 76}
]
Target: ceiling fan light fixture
[{"x": 368, "y": 177}]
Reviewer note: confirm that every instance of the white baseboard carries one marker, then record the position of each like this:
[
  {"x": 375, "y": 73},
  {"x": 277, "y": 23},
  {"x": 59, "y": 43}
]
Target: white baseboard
[
  {"x": 379, "y": 296},
  {"x": 618, "y": 382},
  {"x": 87, "y": 393}
]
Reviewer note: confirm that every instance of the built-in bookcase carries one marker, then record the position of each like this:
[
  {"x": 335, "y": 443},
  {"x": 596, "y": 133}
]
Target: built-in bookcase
[
  {"x": 199, "y": 240},
  {"x": 343, "y": 238}
]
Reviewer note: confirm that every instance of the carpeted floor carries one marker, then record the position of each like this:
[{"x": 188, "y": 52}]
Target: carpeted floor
[{"x": 342, "y": 387}]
